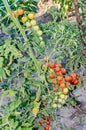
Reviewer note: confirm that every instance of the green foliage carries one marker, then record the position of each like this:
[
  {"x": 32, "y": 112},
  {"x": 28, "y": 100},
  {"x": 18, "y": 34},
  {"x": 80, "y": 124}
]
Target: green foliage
[
  {"x": 27, "y": 5},
  {"x": 64, "y": 7},
  {"x": 82, "y": 9},
  {"x": 22, "y": 52},
  {"x": 64, "y": 41}
]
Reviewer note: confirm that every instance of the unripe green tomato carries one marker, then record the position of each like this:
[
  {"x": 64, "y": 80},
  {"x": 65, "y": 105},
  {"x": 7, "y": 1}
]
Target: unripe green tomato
[
  {"x": 59, "y": 93},
  {"x": 54, "y": 105},
  {"x": 60, "y": 100},
  {"x": 40, "y": 38},
  {"x": 65, "y": 91},
  {"x": 62, "y": 96},
  {"x": 33, "y": 22},
  {"x": 39, "y": 32},
  {"x": 63, "y": 101},
  {"x": 26, "y": 75},
  {"x": 66, "y": 96},
  {"x": 59, "y": 105},
  {"x": 36, "y": 28},
  {"x": 42, "y": 43},
  {"x": 56, "y": 98},
  {"x": 28, "y": 24}
]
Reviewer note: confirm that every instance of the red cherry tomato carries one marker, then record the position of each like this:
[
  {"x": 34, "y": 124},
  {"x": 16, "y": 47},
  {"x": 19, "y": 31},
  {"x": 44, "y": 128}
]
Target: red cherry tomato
[
  {"x": 46, "y": 127},
  {"x": 48, "y": 122},
  {"x": 52, "y": 65},
  {"x": 51, "y": 76},
  {"x": 63, "y": 71},
  {"x": 57, "y": 69},
  {"x": 41, "y": 121}
]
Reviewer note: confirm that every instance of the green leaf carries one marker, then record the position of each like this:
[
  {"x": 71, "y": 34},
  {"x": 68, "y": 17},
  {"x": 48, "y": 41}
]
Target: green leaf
[
  {"x": 1, "y": 62},
  {"x": 13, "y": 105},
  {"x": 4, "y": 29},
  {"x": 2, "y": 74},
  {"x": 10, "y": 93}
]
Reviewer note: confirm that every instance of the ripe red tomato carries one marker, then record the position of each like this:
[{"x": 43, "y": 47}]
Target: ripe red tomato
[
  {"x": 72, "y": 80},
  {"x": 46, "y": 127},
  {"x": 58, "y": 73},
  {"x": 41, "y": 121},
  {"x": 57, "y": 69},
  {"x": 59, "y": 78},
  {"x": 52, "y": 65},
  {"x": 63, "y": 71},
  {"x": 54, "y": 82},
  {"x": 67, "y": 78},
  {"x": 48, "y": 122},
  {"x": 74, "y": 75},
  {"x": 59, "y": 82},
  {"x": 62, "y": 86},
  {"x": 51, "y": 76},
  {"x": 59, "y": 65},
  {"x": 76, "y": 82}
]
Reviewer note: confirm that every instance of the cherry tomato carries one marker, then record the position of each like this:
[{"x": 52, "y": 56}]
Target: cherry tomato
[
  {"x": 58, "y": 73},
  {"x": 76, "y": 82},
  {"x": 51, "y": 76},
  {"x": 20, "y": 12},
  {"x": 59, "y": 82},
  {"x": 59, "y": 78},
  {"x": 46, "y": 127},
  {"x": 62, "y": 86},
  {"x": 52, "y": 65},
  {"x": 67, "y": 78},
  {"x": 57, "y": 69},
  {"x": 44, "y": 67},
  {"x": 54, "y": 82},
  {"x": 63, "y": 71},
  {"x": 65, "y": 91},
  {"x": 41, "y": 121},
  {"x": 74, "y": 75},
  {"x": 48, "y": 122},
  {"x": 30, "y": 15},
  {"x": 59, "y": 65}
]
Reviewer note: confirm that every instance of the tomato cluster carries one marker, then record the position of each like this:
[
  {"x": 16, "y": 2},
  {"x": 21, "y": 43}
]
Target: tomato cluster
[
  {"x": 61, "y": 82},
  {"x": 45, "y": 122},
  {"x": 29, "y": 21},
  {"x": 60, "y": 77}
]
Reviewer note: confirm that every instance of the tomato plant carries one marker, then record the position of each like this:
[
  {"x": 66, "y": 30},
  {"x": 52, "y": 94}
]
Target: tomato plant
[{"x": 32, "y": 72}]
